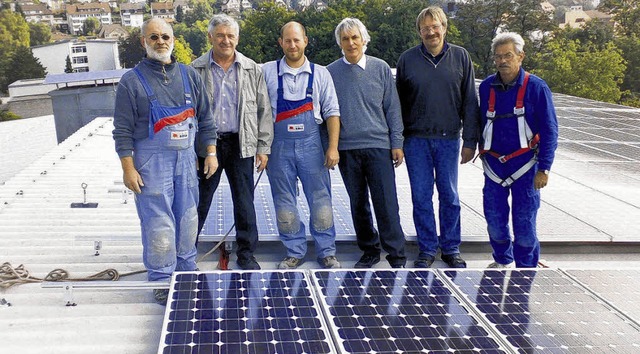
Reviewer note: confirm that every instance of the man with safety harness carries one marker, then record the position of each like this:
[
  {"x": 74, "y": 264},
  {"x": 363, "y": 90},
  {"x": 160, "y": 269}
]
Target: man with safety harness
[
  {"x": 517, "y": 148},
  {"x": 160, "y": 107},
  {"x": 302, "y": 97}
]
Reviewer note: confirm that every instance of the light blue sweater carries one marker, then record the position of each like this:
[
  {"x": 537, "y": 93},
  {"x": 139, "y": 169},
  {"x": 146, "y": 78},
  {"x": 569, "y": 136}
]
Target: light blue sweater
[{"x": 370, "y": 113}]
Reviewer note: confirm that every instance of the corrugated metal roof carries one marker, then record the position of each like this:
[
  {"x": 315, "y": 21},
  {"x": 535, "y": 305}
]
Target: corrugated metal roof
[{"x": 593, "y": 196}]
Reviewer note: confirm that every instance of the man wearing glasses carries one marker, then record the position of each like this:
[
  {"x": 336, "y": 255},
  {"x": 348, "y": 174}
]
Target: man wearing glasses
[
  {"x": 160, "y": 107},
  {"x": 518, "y": 145},
  {"x": 435, "y": 82}
]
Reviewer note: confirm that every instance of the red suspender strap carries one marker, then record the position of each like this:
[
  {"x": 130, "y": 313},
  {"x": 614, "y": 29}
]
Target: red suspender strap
[
  {"x": 521, "y": 91},
  {"x": 492, "y": 101},
  {"x": 174, "y": 119}
]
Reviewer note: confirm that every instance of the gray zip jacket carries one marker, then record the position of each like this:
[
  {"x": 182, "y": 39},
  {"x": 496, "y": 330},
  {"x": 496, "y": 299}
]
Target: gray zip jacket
[{"x": 256, "y": 121}]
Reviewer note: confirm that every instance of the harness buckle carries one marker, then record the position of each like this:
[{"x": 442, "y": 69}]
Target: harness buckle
[
  {"x": 518, "y": 111},
  {"x": 491, "y": 114},
  {"x": 503, "y": 159}
]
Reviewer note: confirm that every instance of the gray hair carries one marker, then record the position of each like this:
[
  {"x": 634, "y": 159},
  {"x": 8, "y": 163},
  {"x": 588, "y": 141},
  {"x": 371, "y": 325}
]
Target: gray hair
[
  {"x": 350, "y": 23},
  {"x": 224, "y": 20},
  {"x": 145, "y": 24},
  {"x": 435, "y": 12},
  {"x": 507, "y": 38}
]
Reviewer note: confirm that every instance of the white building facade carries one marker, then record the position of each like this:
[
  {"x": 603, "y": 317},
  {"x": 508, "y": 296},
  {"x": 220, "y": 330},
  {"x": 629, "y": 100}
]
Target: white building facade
[{"x": 90, "y": 55}]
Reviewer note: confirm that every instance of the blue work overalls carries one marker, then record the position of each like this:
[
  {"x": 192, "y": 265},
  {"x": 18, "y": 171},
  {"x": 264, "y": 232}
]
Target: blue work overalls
[
  {"x": 297, "y": 152},
  {"x": 167, "y": 206}
]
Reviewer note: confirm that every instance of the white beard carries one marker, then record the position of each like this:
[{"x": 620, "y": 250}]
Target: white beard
[{"x": 161, "y": 57}]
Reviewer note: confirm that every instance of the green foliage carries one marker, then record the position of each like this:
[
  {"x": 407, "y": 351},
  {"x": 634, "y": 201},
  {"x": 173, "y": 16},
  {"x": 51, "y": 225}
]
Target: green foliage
[
  {"x": 130, "y": 49},
  {"x": 201, "y": 10},
  {"x": 23, "y": 66},
  {"x": 194, "y": 35},
  {"x": 6, "y": 115},
  {"x": 39, "y": 33},
  {"x": 90, "y": 26},
  {"x": 582, "y": 71},
  {"x": 67, "y": 65},
  {"x": 630, "y": 47},
  {"x": 14, "y": 31},
  {"x": 260, "y": 30},
  {"x": 179, "y": 14},
  {"x": 181, "y": 51},
  {"x": 626, "y": 14}
]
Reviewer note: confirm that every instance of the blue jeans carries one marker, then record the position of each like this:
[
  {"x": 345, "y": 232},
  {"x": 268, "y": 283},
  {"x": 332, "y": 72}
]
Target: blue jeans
[
  {"x": 525, "y": 201},
  {"x": 432, "y": 161},
  {"x": 290, "y": 160},
  {"x": 240, "y": 176},
  {"x": 372, "y": 169}
]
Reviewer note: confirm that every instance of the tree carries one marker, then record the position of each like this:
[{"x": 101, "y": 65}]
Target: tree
[
  {"x": 181, "y": 51},
  {"x": 179, "y": 14},
  {"x": 260, "y": 31},
  {"x": 201, "y": 11},
  {"x": 14, "y": 31},
  {"x": 630, "y": 47},
  {"x": 90, "y": 25},
  {"x": 626, "y": 14},
  {"x": 194, "y": 35},
  {"x": 600, "y": 71},
  {"x": 67, "y": 65},
  {"x": 130, "y": 49},
  {"x": 23, "y": 66},
  {"x": 39, "y": 33}
]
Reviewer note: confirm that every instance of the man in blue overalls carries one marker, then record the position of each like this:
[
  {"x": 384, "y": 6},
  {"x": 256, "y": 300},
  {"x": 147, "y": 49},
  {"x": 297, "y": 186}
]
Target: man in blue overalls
[
  {"x": 518, "y": 145},
  {"x": 160, "y": 106},
  {"x": 301, "y": 95}
]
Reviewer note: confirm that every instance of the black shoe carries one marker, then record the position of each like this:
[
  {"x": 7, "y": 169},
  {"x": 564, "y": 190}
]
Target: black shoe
[
  {"x": 424, "y": 261},
  {"x": 161, "y": 295},
  {"x": 454, "y": 260},
  {"x": 367, "y": 261},
  {"x": 248, "y": 263}
]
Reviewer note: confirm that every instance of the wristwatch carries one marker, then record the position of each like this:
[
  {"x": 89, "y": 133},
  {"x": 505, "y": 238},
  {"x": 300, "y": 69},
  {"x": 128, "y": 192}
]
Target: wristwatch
[
  {"x": 211, "y": 154},
  {"x": 546, "y": 172}
]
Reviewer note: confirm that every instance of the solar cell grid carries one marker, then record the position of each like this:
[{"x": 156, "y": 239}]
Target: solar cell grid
[
  {"x": 397, "y": 312},
  {"x": 544, "y": 311},
  {"x": 243, "y": 312}
]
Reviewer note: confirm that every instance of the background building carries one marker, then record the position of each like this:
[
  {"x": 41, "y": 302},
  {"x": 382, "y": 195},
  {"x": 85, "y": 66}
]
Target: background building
[{"x": 90, "y": 55}]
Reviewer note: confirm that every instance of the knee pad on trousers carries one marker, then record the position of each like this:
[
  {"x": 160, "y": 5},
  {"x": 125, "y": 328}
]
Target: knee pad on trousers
[
  {"x": 322, "y": 217},
  {"x": 288, "y": 222}
]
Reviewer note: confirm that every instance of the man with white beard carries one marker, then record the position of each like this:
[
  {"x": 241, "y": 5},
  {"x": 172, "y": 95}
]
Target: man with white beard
[{"x": 160, "y": 107}]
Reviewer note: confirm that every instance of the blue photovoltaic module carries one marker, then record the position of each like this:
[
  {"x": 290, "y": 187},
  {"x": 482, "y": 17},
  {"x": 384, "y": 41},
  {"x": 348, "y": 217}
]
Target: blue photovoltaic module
[
  {"x": 385, "y": 311},
  {"x": 544, "y": 311},
  {"x": 243, "y": 312}
]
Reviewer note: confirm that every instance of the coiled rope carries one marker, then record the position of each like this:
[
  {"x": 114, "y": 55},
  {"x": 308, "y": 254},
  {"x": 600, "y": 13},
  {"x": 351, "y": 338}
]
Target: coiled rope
[{"x": 10, "y": 276}]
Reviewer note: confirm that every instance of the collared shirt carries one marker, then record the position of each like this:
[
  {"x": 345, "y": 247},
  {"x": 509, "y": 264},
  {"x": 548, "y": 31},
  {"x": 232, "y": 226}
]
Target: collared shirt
[
  {"x": 295, "y": 81},
  {"x": 434, "y": 59},
  {"x": 361, "y": 63},
  {"x": 498, "y": 84},
  {"x": 224, "y": 104}
]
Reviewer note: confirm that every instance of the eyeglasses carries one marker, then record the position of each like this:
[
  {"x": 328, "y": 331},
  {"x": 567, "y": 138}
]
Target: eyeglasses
[
  {"x": 155, "y": 37},
  {"x": 434, "y": 28},
  {"x": 508, "y": 57}
]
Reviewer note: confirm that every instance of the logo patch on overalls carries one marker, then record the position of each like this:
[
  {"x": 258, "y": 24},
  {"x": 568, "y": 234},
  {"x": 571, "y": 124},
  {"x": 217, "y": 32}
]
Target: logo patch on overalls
[
  {"x": 295, "y": 127},
  {"x": 179, "y": 135}
]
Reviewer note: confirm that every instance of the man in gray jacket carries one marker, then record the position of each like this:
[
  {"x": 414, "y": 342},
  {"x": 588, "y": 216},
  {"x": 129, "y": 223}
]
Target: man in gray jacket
[{"x": 241, "y": 109}]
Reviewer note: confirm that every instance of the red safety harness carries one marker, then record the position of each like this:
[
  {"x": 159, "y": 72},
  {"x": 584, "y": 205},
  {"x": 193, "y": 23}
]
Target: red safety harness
[{"x": 528, "y": 141}]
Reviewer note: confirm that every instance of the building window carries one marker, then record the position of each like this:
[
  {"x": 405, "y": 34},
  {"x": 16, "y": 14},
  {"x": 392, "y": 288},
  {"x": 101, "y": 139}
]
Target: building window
[
  {"x": 79, "y": 49},
  {"x": 81, "y": 70},
  {"x": 80, "y": 60}
]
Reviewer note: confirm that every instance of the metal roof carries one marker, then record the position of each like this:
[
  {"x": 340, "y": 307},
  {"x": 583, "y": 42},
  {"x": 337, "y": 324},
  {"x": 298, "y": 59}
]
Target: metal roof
[
  {"x": 88, "y": 77},
  {"x": 593, "y": 198}
]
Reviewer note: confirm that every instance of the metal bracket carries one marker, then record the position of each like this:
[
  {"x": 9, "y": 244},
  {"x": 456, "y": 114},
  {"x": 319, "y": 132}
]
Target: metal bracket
[
  {"x": 4, "y": 303},
  {"x": 68, "y": 295},
  {"x": 84, "y": 204}
]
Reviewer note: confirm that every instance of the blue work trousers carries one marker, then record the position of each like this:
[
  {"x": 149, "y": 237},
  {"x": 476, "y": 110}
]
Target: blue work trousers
[
  {"x": 290, "y": 160},
  {"x": 365, "y": 170},
  {"x": 167, "y": 208},
  {"x": 432, "y": 161},
  {"x": 240, "y": 176},
  {"x": 524, "y": 248}
]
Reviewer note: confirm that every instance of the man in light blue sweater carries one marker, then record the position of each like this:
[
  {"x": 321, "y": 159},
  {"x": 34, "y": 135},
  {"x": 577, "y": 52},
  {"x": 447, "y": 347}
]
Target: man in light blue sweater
[{"x": 370, "y": 144}]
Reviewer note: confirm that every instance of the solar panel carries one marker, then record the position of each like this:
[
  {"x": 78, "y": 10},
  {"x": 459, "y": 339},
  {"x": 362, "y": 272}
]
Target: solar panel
[
  {"x": 545, "y": 311},
  {"x": 243, "y": 312},
  {"x": 403, "y": 311},
  {"x": 619, "y": 287}
]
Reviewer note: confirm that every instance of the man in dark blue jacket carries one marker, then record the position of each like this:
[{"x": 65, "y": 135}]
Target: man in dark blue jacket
[
  {"x": 518, "y": 145},
  {"x": 437, "y": 92}
]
